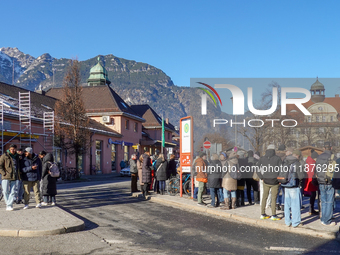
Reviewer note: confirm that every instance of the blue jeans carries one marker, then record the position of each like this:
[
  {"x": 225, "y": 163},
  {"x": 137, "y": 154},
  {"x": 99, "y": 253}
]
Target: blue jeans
[
  {"x": 8, "y": 189},
  {"x": 161, "y": 185},
  {"x": 327, "y": 200},
  {"x": 49, "y": 199},
  {"x": 292, "y": 204},
  {"x": 282, "y": 200},
  {"x": 220, "y": 194},
  {"x": 19, "y": 191},
  {"x": 227, "y": 193},
  {"x": 195, "y": 192},
  {"x": 215, "y": 192}
]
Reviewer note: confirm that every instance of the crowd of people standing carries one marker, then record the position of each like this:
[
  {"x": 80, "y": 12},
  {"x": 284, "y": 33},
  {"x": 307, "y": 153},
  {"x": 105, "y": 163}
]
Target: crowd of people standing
[
  {"x": 278, "y": 180},
  {"x": 21, "y": 170},
  {"x": 152, "y": 172}
]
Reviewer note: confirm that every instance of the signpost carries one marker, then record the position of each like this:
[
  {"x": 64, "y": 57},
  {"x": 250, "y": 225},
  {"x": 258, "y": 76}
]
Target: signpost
[
  {"x": 186, "y": 149},
  {"x": 207, "y": 145}
]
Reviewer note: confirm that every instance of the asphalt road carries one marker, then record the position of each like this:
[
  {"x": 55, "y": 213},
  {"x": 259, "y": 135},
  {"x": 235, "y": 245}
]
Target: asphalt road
[{"x": 117, "y": 223}]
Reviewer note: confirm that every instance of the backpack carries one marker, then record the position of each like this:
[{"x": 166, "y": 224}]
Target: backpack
[
  {"x": 54, "y": 170},
  {"x": 288, "y": 179}
]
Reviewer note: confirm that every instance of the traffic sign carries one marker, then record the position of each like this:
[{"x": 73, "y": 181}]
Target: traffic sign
[
  {"x": 235, "y": 148},
  {"x": 207, "y": 145}
]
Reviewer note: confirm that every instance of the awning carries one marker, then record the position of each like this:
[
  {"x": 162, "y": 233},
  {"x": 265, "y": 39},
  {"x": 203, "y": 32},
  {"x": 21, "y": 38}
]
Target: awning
[{"x": 157, "y": 143}]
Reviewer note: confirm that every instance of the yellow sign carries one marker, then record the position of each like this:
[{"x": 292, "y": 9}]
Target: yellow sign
[
  {"x": 21, "y": 135},
  {"x": 135, "y": 146}
]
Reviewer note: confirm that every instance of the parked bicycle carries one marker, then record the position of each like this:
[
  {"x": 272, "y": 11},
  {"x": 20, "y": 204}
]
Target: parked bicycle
[
  {"x": 69, "y": 173},
  {"x": 174, "y": 185}
]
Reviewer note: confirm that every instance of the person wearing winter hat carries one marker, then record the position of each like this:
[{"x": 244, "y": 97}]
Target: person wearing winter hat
[
  {"x": 311, "y": 183},
  {"x": 228, "y": 183},
  {"x": 269, "y": 162},
  {"x": 31, "y": 176},
  {"x": 292, "y": 209}
]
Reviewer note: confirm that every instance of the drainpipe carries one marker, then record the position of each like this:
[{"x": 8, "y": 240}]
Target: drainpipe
[{"x": 91, "y": 152}]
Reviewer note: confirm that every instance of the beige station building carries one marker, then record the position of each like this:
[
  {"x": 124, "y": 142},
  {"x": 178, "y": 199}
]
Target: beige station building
[{"x": 323, "y": 125}]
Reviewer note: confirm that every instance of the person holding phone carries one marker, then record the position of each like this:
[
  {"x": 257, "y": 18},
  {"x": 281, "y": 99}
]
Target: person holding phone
[{"x": 31, "y": 176}]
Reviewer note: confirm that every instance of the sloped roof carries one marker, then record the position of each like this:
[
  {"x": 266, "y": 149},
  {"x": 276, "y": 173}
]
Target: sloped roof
[
  {"x": 38, "y": 101},
  {"x": 152, "y": 119},
  {"x": 10, "y": 94},
  {"x": 99, "y": 99}
]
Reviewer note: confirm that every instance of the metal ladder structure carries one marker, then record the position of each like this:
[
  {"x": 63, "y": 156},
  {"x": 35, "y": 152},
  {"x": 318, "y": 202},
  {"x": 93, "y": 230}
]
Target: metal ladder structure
[
  {"x": 2, "y": 126},
  {"x": 25, "y": 116},
  {"x": 49, "y": 131}
]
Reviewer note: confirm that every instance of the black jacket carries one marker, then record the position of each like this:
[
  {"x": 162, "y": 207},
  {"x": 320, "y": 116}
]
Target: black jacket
[
  {"x": 336, "y": 177},
  {"x": 29, "y": 174},
  {"x": 172, "y": 168},
  {"x": 49, "y": 183},
  {"x": 215, "y": 178},
  {"x": 321, "y": 166},
  {"x": 269, "y": 159},
  {"x": 161, "y": 174}
]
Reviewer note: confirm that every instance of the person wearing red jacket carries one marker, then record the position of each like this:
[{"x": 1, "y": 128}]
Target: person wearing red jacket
[{"x": 311, "y": 186}]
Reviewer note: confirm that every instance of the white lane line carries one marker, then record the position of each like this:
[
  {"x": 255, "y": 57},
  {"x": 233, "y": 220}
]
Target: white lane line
[
  {"x": 274, "y": 248},
  {"x": 293, "y": 249}
]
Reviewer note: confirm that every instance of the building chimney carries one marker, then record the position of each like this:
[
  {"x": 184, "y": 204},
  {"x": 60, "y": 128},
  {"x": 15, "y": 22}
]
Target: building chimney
[
  {"x": 336, "y": 95},
  {"x": 167, "y": 121}
]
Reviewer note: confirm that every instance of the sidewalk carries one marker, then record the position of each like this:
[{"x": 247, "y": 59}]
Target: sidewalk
[
  {"x": 250, "y": 214},
  {"x": 47, "y": 220}
]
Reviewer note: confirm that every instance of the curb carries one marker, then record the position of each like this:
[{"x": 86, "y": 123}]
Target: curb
[
  {"x": 242, "y": 219},
  {"x": 78, "y": 225}
]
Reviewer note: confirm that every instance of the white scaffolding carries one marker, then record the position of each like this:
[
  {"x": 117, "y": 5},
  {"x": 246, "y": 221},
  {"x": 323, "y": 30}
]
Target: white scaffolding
[
  {"x": 2, "y": 125},
  {"x": 49, "y": 131},
  {"x": 25, "y": 116}
]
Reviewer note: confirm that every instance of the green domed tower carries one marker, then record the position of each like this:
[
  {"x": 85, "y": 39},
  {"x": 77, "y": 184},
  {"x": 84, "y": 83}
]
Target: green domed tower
[{"x": 98, "y": 75}]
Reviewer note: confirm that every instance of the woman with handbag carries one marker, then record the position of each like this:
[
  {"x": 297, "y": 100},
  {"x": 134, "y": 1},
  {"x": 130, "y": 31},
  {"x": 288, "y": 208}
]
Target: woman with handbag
[
  {"x": 311, "y": 182},
  {"x": 161, "y": 168}
]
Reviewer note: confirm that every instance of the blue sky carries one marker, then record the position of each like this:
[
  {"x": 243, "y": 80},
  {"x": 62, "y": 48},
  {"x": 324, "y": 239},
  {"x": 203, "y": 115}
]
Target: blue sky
[{"x": 186, "y": 39}]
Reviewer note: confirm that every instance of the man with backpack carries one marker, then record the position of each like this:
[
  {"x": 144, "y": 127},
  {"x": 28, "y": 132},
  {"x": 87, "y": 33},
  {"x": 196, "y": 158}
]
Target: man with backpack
[
  {"x": 325, "y": 167},
  {"x": 292, "y": 175}
]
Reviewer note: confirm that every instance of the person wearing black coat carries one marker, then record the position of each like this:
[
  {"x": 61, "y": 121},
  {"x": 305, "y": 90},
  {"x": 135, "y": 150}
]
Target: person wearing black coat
[
  {"x": 161, "y": 172},
  {"x": 215, "y": 180},
  {"x": 269, "y": 167},
  {"x": 30, "y": 176},
  {"x": 243, "y": 163},
  {"x": 49, "y": 183},
  {"x": 172, "y": 170},
  {"x": 250, "y": 182},
  {"x": 146, "y": 173}
]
